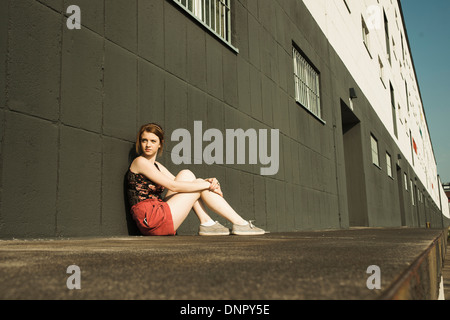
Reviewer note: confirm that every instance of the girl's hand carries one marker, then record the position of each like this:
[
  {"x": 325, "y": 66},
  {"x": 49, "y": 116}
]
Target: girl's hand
[{"x": 215, "y": 186}]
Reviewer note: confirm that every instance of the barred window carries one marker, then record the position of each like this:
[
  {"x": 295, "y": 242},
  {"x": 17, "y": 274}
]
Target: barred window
[
  {"x": 307, "y": 86},
  {"x": 213, "y": 14}
]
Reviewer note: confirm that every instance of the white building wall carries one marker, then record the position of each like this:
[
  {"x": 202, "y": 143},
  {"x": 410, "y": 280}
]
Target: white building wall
[
  {"x": 341, "y": 22},
  {"x": 444, "y": 201}
]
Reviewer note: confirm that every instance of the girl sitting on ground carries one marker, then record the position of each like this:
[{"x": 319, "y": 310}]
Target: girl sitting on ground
[{"x": 154, "y": 216}]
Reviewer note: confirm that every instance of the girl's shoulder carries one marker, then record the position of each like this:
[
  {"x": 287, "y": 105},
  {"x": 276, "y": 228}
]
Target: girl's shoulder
[{"x": 138, "y": 163}]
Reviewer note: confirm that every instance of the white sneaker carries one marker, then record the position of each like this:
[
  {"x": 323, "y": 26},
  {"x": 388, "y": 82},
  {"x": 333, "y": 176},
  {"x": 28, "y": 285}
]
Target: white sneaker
[
  {"x": 215, "y": 230},
  {"x": 247, "y": 230}
]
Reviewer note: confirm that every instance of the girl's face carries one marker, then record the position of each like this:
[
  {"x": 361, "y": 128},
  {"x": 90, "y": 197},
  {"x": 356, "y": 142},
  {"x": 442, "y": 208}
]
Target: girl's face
[{"x": 150, "y": 144}]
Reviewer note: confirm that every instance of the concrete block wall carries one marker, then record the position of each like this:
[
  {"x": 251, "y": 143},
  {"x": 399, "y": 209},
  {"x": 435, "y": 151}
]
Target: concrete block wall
[{"x": 74, "y": 99}]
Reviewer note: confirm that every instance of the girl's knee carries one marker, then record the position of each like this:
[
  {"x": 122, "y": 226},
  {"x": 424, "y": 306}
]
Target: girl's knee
[{"x": 185, "y": 175}]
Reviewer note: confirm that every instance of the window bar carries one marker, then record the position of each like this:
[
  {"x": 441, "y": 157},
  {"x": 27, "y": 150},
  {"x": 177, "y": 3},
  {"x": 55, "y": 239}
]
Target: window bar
[
  {"x": 298, "y": 70},
  {"x": 228, "y": 21},
  {"x": 311, "y": 90},
  {"x": 225, "y": 14},
  {"x": 313, "y": 95},
  {"x": 295, "y": 75},
  {"x": 207, "y": 13},
  {"x": 219, "y": 14},
  {"x": 213, "y": 15},
  {"x": 204, "y": 11},
  {"x": 318, "y": 97},
  {"x": 222, "y": 17},
  {"x": 308, "y": 90},
  {"x": 219, "y": 18},
  {"x": 305, "y": 88}
]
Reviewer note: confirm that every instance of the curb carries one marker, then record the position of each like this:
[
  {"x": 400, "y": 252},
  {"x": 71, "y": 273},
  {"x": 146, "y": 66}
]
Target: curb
[{"x": 421, "y": 280}]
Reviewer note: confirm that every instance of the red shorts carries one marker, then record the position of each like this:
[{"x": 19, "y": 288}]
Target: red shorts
[{"x": 153, "y": 218}]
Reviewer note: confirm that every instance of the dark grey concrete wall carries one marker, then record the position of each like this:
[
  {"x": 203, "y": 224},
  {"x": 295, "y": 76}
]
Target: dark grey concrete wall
[{"x": 72, "y": 101}]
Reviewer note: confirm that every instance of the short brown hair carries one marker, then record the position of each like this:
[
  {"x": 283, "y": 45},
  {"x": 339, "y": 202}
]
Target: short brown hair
[{"x": 152, "y": 128}]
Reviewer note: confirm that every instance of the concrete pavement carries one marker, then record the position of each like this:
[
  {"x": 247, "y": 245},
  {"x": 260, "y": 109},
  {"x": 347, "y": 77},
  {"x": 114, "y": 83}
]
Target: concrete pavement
[{"x": 279, "y": 266}]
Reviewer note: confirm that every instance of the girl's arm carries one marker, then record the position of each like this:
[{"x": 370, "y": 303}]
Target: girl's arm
[
  {"x": 214, "y": 184},
  {"x": 165, "y": 171},
  {"x": 143, "y": 166}
]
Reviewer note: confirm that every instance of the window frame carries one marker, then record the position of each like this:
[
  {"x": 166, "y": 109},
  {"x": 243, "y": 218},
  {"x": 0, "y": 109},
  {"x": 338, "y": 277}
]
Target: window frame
[
  {"x": 365, "y": 35},
  {"x": 347, "y": 6},
  {"x": 389, "y": 165},
  {"x": 387, "y": 38},
  {"x": 197, "y": 9},
  {"x": 307, "y": 84},
  {"x": 381, "y": 71},
  {"x": 375, "y": 155},
  {"x": 393, "y": 109}
]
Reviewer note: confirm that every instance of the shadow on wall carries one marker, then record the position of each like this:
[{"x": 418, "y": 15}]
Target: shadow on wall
[{"x": 131, "y": 224}]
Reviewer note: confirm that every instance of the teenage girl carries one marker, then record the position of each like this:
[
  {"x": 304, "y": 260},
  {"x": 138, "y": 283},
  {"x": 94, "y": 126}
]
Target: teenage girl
[{"x": 147, "y": 179}]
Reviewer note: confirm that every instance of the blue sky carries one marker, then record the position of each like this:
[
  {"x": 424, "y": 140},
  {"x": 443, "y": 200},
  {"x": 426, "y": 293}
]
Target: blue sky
[{"x": 428, "y": 28}]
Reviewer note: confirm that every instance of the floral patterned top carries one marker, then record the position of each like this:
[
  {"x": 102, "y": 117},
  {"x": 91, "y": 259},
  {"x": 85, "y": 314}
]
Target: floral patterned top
[{"x": 140, "y": 188}]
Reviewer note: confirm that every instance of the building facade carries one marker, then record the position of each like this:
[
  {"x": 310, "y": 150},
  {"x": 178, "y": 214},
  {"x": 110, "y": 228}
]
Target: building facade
[
  {"x": 334, "y": 79},
  {"x": 447, "y": 193}
]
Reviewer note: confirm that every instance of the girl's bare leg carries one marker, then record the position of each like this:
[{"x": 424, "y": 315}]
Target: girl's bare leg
[
  {"x": 181, "y": 204},
  {"x": 199, "y": 207},
  {"x": 220, "y": 206}
]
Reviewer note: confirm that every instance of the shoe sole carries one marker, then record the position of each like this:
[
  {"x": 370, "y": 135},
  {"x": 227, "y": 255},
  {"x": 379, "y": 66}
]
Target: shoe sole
[
  {"x": 213, "y": 234},
  {"x": 249, "y": 233}
]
